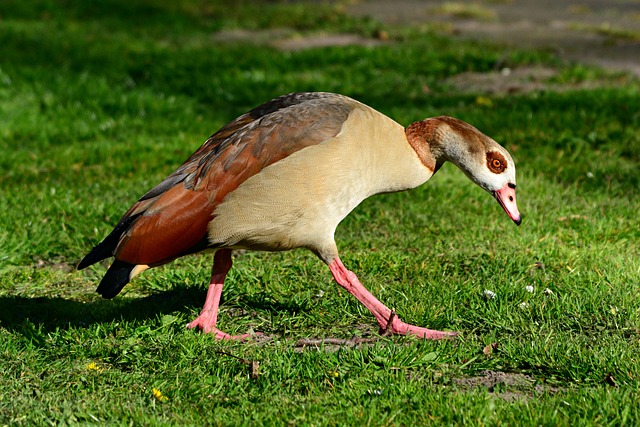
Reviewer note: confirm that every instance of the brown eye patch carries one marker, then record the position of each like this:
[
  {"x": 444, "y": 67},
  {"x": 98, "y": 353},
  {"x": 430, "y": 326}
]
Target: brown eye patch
[{"x": 496, "y": 162}]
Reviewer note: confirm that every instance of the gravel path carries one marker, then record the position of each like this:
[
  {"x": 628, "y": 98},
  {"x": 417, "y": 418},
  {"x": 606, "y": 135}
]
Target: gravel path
[{"x": 600, "y": 32}]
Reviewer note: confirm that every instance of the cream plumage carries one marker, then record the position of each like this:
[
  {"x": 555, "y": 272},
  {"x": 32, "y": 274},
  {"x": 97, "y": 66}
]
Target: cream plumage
[{"x": 283, "y": 176}]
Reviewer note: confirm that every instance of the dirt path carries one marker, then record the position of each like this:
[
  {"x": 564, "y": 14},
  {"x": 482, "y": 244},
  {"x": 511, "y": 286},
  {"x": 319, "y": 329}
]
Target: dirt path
[{"x": 601, "y": 32}]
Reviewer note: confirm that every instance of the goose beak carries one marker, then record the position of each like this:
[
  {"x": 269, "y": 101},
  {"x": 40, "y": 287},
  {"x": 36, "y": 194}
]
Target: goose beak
[{"x": 506, "y": 196}]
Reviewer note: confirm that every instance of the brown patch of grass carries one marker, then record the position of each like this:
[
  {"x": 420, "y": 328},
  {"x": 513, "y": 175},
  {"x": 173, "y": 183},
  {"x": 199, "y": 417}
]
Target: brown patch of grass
[{"x": 505, "y": 385}]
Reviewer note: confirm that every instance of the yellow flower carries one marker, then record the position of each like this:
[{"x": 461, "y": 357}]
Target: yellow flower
[
  {"x": 93, "y": 366},
  {"x": 483, "y": 101},
  {"x": 159, "y": 396}
]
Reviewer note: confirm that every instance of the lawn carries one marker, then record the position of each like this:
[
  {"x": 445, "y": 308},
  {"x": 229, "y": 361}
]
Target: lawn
[{"x": 99, "y": 101}]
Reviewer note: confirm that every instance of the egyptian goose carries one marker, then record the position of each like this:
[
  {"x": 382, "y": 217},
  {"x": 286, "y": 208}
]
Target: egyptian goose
[{"x": 283, "y": 176}]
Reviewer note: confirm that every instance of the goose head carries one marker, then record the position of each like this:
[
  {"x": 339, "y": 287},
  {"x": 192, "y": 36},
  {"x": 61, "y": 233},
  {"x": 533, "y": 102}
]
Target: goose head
[{"x": 482, "y": 159}]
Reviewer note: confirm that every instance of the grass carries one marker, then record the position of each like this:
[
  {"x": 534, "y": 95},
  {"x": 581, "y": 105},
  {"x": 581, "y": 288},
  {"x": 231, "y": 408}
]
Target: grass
[
  {"x": 465, "y": 11},
  {"x": 609, "y": 31},
  {"x": 97, "y": 105}
]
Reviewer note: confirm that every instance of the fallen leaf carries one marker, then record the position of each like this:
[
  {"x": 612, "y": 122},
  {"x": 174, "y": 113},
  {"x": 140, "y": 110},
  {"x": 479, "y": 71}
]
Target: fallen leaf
[
  {"x": 255, "y": 369},
  {"x": 487, "y": 350}
]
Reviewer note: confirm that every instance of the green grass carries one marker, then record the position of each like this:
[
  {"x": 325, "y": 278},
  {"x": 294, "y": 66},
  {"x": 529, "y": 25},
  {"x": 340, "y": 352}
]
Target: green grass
[{"x": 98, "y": 103}]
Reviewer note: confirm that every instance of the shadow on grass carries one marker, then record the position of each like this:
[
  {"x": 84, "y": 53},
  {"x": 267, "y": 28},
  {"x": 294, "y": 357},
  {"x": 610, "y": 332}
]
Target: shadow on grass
[{"x": 24, "y": 315}]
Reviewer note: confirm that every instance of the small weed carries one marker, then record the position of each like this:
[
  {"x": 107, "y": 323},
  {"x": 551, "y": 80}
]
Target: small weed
[{"x": 465, "y": 11}]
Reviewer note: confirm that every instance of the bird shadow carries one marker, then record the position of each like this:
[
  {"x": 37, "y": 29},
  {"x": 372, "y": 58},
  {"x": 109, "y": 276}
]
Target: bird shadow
[{"x": 25, "y": 315}]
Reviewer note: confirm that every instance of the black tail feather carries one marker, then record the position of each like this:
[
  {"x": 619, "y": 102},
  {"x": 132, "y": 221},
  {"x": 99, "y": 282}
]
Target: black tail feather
[
  {"x": 98, "y": 253},
  {"x": 114, "y": 280},
  {"x": 106, "y": 248}
]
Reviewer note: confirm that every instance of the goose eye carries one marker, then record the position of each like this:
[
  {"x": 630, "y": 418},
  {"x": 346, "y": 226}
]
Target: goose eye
[{"x": 496, "y": 162}]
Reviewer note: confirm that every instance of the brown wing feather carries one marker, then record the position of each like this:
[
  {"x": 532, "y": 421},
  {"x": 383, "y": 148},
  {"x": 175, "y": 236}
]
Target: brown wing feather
[
  {"x": 171, "y": 219},
  {"x": 173, "y": 224}
]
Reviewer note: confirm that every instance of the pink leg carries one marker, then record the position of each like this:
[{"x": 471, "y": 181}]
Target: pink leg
[
  {"x": 387, "y": 319},
  {"x": 208, "y": 317}
]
